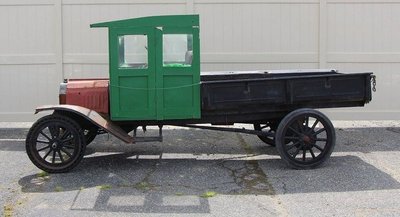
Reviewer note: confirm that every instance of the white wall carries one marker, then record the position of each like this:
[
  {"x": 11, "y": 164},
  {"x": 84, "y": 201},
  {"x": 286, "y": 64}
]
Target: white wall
[{"x": 44, "y": 41}]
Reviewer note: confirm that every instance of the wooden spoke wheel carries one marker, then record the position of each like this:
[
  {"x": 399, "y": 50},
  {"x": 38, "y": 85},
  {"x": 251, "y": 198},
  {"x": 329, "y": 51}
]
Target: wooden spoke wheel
[
  {"x": 305, "y": 138},
  {"x": 55, "y": 144},
  {"x": 269, "y": 127}
]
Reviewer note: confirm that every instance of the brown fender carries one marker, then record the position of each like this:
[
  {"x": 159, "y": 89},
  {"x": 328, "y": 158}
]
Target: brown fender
[{"x": 93, "y": 117}]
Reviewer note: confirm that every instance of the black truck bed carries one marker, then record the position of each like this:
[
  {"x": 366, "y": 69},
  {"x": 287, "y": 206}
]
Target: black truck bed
[{"x": 231, "y": 97}]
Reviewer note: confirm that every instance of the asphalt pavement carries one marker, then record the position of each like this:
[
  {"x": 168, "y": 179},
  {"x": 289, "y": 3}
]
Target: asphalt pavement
[{"x": 207, "y": 173}]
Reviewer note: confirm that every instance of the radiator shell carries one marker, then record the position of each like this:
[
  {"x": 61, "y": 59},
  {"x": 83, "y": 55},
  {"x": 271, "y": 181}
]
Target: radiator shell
[{"x": 89, "y": 93}]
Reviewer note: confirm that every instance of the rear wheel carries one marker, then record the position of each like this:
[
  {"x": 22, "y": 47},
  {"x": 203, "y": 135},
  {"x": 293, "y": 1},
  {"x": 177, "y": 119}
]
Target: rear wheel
[
  {"x": 269, "y": 127},
  {"x": 55, "y": 144},
  {"x": 305, "y": 138}
]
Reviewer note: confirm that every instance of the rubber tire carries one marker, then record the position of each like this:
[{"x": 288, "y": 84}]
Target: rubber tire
[
  {"x": 31, "y": 141},
  {"x": 265, "y": 139},
  {"x": 280, "y": 144}
]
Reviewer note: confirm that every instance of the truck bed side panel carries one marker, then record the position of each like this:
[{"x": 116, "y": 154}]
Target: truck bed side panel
[{"x": 287, "y": 93}]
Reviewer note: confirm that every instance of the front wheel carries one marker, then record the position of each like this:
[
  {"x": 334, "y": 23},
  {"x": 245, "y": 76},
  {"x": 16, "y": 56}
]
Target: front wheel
[
  {"x": 305, "y": 138},
  {"x": 55, "y": 143}
]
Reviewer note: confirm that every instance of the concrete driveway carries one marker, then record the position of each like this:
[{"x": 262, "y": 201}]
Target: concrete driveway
[{"x": 207, "y": 173}]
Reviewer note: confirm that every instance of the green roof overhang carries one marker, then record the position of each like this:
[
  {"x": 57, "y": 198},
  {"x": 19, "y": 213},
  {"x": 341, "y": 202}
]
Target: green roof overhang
[{"x": 154, "y": 21}]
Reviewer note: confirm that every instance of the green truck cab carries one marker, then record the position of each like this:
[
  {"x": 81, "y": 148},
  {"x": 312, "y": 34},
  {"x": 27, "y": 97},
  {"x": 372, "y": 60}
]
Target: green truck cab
[{"x": 154, "y": 67}]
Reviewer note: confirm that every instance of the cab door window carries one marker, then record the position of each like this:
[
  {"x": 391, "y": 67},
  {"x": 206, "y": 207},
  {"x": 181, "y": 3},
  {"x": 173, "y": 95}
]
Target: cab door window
[
  {"x": 133, "y": 51},
  {"x": 177, "y": 50}
]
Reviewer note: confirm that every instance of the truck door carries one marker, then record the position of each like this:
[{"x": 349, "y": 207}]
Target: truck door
[
  {"x": 133, "y": 74},
  {"x": 178, "y": 73}
]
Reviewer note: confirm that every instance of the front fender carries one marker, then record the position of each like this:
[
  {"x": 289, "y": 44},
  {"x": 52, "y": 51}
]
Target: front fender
[{"x": 93, "y": 117}]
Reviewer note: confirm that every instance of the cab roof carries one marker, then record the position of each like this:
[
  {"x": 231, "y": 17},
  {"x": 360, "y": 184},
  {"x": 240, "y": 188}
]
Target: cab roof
[{"x": 153, "y": 21}]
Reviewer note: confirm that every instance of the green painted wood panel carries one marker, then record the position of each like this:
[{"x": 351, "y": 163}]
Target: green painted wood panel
[
  {"x": 181, "y": 85},
  {"x": 158, "y": 90}
]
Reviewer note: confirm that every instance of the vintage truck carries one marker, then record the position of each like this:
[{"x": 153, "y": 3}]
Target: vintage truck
[{"x": 155, "y": 80}]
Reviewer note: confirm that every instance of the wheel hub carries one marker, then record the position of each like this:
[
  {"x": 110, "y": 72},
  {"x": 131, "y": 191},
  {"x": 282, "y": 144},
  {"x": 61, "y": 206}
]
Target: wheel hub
[
  {"x": 308, "y": 140},
  {"x": 56, "y": 144}
]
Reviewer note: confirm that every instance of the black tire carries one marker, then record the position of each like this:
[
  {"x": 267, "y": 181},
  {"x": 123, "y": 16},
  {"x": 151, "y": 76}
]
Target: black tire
[
  {"x": 268, "y": 127},
  {"x": 90, "y": 134},
  {"x": 59, "y": 138},
  {"x": 298, "y": 134}
]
